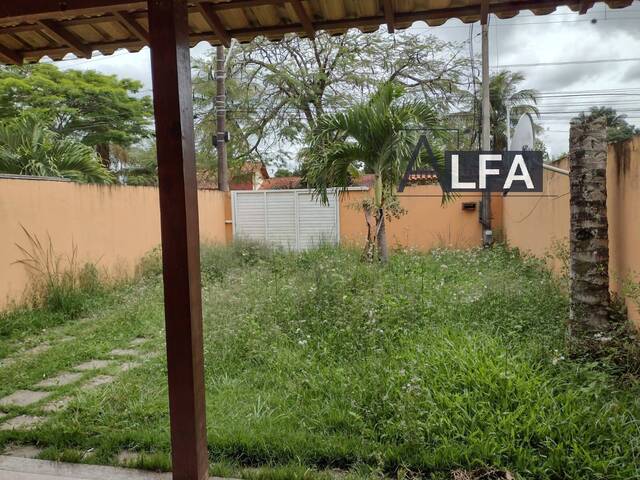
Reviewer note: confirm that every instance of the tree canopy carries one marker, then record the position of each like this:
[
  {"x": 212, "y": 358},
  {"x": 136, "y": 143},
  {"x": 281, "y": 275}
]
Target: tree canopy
[
  {"x": 375, "y": 136},
  {"x": 276, "y": 91},
  {"x": 91, "y": 107},
  {"x": 618, "y": 129},
  {"x": 27, "y": 147}
]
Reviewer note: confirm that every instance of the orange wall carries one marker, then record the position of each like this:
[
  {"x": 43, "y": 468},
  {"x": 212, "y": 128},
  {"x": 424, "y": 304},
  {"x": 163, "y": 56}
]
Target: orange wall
[
  {"x": 112, "y": 226},
  {"x": 427, "y": 223},
  {"x": 533, "y": 223}
]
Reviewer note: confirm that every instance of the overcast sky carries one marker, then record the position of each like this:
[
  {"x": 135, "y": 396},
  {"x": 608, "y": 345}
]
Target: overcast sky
[{"x": 515, "y": 44}]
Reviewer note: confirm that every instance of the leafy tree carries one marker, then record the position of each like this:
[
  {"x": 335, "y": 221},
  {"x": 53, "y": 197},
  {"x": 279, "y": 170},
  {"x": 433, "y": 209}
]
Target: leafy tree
[
  {"x": 285, "y": 172},
  {"x": 276, "y": 91},
  {"x": 29, "y": 148},
  {"x": 140, "y": 166},
  {"x": 91, "y": 107},
  {"x": 373, "y": 136},
  {"x": 503, "y": 91},
  {"x": 618, "y": 129}
]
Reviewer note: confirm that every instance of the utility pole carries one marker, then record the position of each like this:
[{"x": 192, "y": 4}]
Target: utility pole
[
  {"x": 487, "y": 235},
  {"x": 221, "y": 113}
]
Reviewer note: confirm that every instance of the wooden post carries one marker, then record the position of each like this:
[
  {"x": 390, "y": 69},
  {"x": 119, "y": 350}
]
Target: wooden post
[
  {"x": 171, "y": 75},
  {"x": 589, "y": 236}
]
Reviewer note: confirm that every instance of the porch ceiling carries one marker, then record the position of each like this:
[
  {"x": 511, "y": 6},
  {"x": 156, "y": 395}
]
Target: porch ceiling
[{"x": 32, "y": 29}]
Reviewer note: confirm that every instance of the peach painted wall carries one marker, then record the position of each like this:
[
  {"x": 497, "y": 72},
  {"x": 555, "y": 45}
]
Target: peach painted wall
[
  {"x": 112, "y": 226},
  {"x": 534, "y": 223},
  {"x": 427, "y": 223}
]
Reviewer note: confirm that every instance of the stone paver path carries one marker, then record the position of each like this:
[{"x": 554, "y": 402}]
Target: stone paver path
[
  {"x": 60, "y": 380},
  {"x": 93, "y": 365},
  {"x": 124, "y": 352},
  {"x": 56, "y": 405},
  {"x": 23, "y": 451},
  {"x": 21, "y": 422},
  {"x": 128, "y": 457},
  {"x": 126, "y": 366},
  {"x": 22, "y": 398},
  {"x": 127, "y": 358},
  {"x": 99, "y": 381}
]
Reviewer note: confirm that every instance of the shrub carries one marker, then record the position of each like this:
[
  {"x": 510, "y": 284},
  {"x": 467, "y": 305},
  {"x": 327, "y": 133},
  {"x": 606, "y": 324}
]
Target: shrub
[{"x": 59, "y": 284}]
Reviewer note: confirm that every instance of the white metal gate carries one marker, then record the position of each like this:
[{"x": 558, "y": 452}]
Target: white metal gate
[{"x": 288, "y": 218}]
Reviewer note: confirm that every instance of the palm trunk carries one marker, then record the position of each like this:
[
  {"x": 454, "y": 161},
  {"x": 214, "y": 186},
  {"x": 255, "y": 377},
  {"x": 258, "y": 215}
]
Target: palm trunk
[
  {"x": 382, "y": 236},
  {"x": 370, "y": 247},
  {"x": 103, "y": 152},
  {"x": 590, "y": 298}
]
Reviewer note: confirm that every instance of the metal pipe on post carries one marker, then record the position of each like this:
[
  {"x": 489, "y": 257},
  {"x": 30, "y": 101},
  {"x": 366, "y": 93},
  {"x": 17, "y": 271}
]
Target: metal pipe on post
[
  {"x": 221, "y": 114},
  {"x": 487, "y": 237}
]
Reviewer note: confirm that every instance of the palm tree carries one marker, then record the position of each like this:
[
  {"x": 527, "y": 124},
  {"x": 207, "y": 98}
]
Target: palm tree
[
  {"x": 29, "y": 148},
  {"x": 618, "y": 129},
  {"x": 504, "y": 91},
  {"x": 373, "y": 137}
]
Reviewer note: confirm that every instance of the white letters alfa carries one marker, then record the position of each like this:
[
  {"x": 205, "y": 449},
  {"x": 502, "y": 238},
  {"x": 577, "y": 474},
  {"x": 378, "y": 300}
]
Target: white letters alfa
[{"x": 483, "y": 172}]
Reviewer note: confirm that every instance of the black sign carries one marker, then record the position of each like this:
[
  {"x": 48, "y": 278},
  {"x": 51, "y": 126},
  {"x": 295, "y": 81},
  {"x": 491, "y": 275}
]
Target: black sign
[{"x": 492, "y": 171}]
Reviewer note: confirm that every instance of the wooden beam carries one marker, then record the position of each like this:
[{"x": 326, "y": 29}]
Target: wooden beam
[
  {"x": 246, "y": 4},
  {"x": 132, "y": 25},
  {"x": 32, "y": 10},
  {"x": 58, "y": 33},
  {"x": 10, "y": 56},
  {"x": 484, "y": 12},
  {"x": 214, "y": 22},
  {"x": 304, "y": 18},
  {"x": 470, "y": 13},
  {"x": 389, "y": 15},
  {"x": 173, "y": 111},
  {"x": 585, "y": 5}
]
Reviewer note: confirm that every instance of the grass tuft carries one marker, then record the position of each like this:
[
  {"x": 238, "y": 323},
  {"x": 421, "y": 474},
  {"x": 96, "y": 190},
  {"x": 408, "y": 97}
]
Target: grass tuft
[{"x": 320, "y": 366}]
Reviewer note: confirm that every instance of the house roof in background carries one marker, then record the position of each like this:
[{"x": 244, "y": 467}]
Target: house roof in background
[
  {"x": 32, "y": 29},
  {"x": 367, "y": 180}
]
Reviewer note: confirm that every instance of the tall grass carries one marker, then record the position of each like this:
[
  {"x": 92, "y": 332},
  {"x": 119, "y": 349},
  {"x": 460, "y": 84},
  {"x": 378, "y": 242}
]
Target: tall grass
[{"x": 61, "y": 287}]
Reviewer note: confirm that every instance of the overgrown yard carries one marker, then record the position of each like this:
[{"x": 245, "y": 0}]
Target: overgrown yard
[{"x": 318, "y": 364}]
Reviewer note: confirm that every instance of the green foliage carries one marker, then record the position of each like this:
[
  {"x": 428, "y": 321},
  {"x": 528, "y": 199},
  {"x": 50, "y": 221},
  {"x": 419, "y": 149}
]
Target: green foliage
[
  {"x": 374, "y": 136},
  {"x": 91, "y": 107},
  {"x": 58, "y": 283},
  {"x": 277, "y": 90},
  {"x": 318, "y": 364},
  {"x": 618, "y": 129},
  {"x": 140, "y": 167},
  {"x": 61, "y": 289},
  {"x": 377, "y": 136},
  {"x": 503, "y": 91},
  {"x": 29, "y": 148}
]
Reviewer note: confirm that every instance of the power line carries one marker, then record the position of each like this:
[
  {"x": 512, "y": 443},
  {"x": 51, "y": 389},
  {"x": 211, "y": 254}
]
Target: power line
[{"x": 570, "y": 62}]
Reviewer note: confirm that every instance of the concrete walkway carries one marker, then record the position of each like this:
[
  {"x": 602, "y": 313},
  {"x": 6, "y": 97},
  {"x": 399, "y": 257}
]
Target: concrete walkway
[{"x": 16, "y": 468}]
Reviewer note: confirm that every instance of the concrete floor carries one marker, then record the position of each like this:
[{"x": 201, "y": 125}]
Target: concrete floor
[{"x": 16, "y": 468}]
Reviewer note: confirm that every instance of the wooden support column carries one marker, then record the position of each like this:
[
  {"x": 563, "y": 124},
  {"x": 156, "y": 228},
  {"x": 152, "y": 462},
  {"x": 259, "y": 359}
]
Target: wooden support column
[{"x": 171, "y": 75}]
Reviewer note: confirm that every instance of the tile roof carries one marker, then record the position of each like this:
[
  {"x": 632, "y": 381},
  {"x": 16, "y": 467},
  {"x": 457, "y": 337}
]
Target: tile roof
[{"x": 31, "y": 29}]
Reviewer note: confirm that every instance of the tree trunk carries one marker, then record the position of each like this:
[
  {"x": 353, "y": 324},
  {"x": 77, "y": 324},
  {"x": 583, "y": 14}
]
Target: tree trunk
[
  {"x": 104, "y": 153},
  {"x": 221, "y": 114},
  {"x": 369, "y": 252},
  {"x": 590, "y": 298},
  {"x": 381, "y": 236}
]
